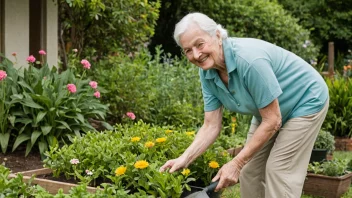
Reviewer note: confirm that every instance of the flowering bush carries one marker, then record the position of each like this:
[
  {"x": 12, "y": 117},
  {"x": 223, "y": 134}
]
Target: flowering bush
[
  {"x": 44, "y": 107},
  {"x": 130, "y": 156}
]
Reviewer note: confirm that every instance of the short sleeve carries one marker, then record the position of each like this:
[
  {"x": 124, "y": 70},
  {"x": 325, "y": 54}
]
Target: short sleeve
[
  {"x": 211, "y": 102},
  {"x": 262, "y": 83}
]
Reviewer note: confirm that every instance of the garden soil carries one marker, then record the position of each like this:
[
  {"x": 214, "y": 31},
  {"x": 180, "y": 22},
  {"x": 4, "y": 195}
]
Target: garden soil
[{"x": 17, "y": 162}]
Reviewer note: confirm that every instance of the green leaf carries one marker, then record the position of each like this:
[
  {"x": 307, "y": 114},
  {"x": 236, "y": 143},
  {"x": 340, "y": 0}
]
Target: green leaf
[
  {"x": 46, "y": 129},
  {"x": 21, "y": 138},
  {"x": 25, "y": 85},
  {"x": 12, "y": 120},
  {"x": 43, "y": 146},
  {"x": 40, "y": 116},
  {"x": 28, "y": 148},
  {"x": 30, "y": 103},
  {"x": 35, "y": 136},
  {"x": 107, "y": 125},
  {"x": 80, "y": 117},
  {"x": 4, "y": 141},
  {"x": 64, "y": 124}
]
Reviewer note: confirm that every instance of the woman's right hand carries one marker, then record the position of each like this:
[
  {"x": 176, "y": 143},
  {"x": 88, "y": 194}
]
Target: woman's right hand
[{"x": 175, "y": 164}]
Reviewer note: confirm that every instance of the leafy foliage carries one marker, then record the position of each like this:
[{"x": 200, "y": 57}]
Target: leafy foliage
[
  {"x": 336, "y": 167},
  {"x": 41, "y": 109},
  {"x": 339, "y": 115},
  {"x": 158, "y": 89},
  {"x": 328, "y": 20},
  {"x": 245, "y": 18},
  {"x": 103, "y": 153},
  {"x": 325, "y": 141},
  {"x": 103, "y": 27}
]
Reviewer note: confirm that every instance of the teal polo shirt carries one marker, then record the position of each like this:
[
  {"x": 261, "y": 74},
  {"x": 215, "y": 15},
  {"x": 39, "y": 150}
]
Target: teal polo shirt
[{"x": 260, "y": 72}]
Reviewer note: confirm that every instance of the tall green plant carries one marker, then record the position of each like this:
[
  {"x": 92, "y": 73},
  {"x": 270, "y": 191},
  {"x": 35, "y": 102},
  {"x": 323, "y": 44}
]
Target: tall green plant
[
  {"x": 339, "y": 115},
  {"x": 46, "y": 109}
]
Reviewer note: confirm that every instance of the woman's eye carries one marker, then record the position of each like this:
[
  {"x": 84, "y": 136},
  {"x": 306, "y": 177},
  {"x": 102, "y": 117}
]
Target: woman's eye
[
  {"x": 200, "y": 45},
  {"x": 187, "y": 51}
]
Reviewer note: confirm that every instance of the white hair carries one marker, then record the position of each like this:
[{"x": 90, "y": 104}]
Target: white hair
[{"x": 205, "y": 23}]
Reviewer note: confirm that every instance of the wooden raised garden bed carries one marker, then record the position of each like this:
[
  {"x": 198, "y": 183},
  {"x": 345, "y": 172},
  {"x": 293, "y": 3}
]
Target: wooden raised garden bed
[
  {"x": 50, "y": 185},
  {"x": 326, "y": 186}
]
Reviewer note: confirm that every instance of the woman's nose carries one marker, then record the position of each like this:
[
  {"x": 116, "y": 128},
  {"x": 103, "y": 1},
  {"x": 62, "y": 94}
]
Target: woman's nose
[{"x": 196, "y": 53}]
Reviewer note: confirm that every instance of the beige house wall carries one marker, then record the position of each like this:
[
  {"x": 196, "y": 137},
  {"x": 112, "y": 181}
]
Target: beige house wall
[
  {"x": 51, "y": 33},
  {"x": 16, "y": 30}
]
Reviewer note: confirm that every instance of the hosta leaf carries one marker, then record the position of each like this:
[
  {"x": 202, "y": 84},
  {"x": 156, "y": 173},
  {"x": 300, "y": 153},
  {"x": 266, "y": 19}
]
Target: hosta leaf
[
  {"x": 12, "y": 120},
  {"x": 64, "y": 124},
  {"x": 4, "y": 141},
  {"x": 30, "y": 103},
  {"x": 35, "y": 136},
  {"x": 43, "y": 146},
  {"x": 21, "y": 138},
  {"x": 28, "y": 148},
  {"x": 40, "y": 116},
  {"x": 46, "y": 129}
]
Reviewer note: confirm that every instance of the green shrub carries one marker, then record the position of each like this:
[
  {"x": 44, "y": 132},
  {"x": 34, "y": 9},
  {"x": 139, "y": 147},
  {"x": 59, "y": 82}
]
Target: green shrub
[
  {"x": 103, "y": 27},
  {"x": 112, "y": 156},
  {"x": 243, "y": 18},
  {"x": 325, "y": 141},
  {"x": 41, "y": 109},
  {"x": 160, "y": 89},
  {"x": 339, "y": 115},
  {"x": 336, "y": 167}
]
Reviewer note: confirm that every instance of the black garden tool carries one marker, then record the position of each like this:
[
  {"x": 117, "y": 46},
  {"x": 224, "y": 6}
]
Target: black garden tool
[{"x": 206, "y": 192}]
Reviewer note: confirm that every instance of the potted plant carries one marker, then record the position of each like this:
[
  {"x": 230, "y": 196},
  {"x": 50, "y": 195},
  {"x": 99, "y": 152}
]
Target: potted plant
[
  {"x": 329, "y": 179},
  {"x": 323, "y": 145}
]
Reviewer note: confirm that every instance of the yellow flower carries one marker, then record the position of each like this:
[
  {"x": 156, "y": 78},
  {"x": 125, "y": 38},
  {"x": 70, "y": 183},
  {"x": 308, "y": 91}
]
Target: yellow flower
[
  {"x": 141, "y": 164},
  {"x": 168, "y": 131},
  {"x": 213, "y": 164},
  {"x": 135, "y": 139},
  {"x": 225, "y": 153},
  {"x": 160, "y": 140},
  {"x": 149, "y": 144},
  {"x": 190, "y": 133},
  {"x": 120, "y": 170},
  {"x": 185, "y": 172}
]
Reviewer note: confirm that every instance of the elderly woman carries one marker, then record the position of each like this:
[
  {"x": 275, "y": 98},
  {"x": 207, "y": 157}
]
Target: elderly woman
[{"x": 286, "y": 96}]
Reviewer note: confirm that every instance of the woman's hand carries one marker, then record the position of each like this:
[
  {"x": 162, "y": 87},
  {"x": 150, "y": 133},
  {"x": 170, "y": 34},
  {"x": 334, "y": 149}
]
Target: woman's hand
[
  {"x": 175, "y": 164},
  {"x": 228, "y": 174}
]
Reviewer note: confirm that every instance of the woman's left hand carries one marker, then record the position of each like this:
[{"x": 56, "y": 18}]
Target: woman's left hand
[{"x": 229, "y": 174}]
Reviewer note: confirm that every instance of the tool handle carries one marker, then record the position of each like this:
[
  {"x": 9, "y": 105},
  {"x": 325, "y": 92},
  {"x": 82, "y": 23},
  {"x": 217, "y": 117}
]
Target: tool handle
[{"x": 212, "y": 186}]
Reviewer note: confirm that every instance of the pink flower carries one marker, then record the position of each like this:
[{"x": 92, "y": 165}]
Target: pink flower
[
  {"x": 31, "y": 59},
  {"x": 14, "y": 53},
  {"x": 93, "y": 84},
  {"x": 2, "y": 75},
  {"x": 74, "y": 161},
  {"x": 131, "y": 115},
  {"x": 75, "y": 50},
  {"x": 97, "y": 94},
  {"x": 71, "y": 88},
  {"x": 88, "y": 172},
  {"x": 85, "y": 63},
  {"x": 42, "y": 52}
]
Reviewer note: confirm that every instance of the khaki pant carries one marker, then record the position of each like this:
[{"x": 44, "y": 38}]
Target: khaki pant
[{"x": 279, "y": 169}]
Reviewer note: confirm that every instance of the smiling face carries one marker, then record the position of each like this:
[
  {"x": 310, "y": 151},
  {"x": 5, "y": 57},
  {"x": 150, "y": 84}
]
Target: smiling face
[{"x": 202, "y": 49}]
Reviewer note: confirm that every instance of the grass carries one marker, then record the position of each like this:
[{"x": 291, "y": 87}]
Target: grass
[{"x": 234, "y": 192}]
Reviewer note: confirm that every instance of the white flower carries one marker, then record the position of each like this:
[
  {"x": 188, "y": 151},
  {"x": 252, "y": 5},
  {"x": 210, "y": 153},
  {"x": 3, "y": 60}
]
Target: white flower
[
  {"x": 74, "y": 161},
  {"x": 304, "y": 45},
  {"x": 88, "y": 172}
]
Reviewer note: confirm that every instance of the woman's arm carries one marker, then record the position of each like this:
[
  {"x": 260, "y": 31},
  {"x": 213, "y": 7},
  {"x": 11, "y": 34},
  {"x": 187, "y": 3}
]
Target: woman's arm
[
  {"x": 271, "y": 122},
  {"x": 206, "y": 136}
]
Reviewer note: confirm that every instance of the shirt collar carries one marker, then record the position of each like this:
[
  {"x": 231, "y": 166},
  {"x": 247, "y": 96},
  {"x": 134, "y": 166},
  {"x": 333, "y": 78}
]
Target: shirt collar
[{"x": 228, "y": 45}]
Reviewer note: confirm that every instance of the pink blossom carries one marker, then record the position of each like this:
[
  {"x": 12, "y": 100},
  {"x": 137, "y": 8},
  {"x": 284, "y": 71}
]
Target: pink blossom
[
  {"x": 75, "y": 50},
  {"x": 42, "y": 52},
  {"x": 2, "y": 75},
  {"x": 14, "y": 53},
  {"x": 31, "y": 59},
  {"x": 71, "y": 88},
  {"x": 88, "y": 172},
  {"x": 85, "y": 64},
  {"x": 131, "y": 115},
  {"x": 93, "y": 84},
  {"x": 74, "y": 161},
  {"x": 97, "y": 94}
]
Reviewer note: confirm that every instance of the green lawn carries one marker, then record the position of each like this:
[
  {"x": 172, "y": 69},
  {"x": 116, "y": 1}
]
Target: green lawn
[{"x": 234, "y": 192}]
